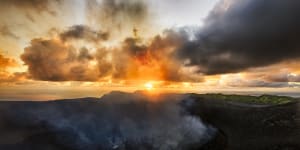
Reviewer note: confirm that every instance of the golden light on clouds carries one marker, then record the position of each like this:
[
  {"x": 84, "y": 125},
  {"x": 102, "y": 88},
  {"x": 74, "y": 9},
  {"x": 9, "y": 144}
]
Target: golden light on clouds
[{"x": 114, "y": 44}]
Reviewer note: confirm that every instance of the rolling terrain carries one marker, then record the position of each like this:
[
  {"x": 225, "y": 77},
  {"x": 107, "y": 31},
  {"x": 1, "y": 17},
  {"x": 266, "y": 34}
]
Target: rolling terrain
[
  {"x": 139, "y": 121},
  {"x": 253, "y": 125}
]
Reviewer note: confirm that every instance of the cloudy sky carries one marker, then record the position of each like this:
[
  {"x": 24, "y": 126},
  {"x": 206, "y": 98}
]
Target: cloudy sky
[{"x": 52, "y": 46}]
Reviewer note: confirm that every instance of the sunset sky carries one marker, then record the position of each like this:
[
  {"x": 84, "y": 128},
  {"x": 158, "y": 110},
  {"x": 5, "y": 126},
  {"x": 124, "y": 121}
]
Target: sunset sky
[{"x": 52, "y": 49}]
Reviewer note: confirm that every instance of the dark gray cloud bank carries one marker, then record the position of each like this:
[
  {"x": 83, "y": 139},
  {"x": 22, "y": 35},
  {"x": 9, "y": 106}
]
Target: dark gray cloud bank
[{"x": 245, "y": 34}]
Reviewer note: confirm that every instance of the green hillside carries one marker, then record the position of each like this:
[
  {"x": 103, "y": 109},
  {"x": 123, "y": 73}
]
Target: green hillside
[{"x": 263, "y": 99}]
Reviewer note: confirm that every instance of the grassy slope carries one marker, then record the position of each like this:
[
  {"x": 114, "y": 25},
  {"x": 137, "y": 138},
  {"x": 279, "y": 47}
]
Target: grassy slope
[
  {"x": 263, "y": 99},
  {"x": 276, "y": 127}
]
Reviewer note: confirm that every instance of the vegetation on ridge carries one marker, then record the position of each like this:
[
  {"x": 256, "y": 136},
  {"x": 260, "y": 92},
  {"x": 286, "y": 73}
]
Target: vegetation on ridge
[{"x": 263, "y": 99}]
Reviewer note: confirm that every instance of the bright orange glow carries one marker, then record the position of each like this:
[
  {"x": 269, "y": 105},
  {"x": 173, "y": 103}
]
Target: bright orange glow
[
  {"x": 145, "y": 66},
  {"x": 148, "y": 86}
]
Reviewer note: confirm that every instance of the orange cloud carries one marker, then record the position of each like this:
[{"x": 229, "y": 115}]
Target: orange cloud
[
  {"x": 58, "y": 59},
  {"x": 5, "y": 75},
  {"x": 7, "y": 62}
]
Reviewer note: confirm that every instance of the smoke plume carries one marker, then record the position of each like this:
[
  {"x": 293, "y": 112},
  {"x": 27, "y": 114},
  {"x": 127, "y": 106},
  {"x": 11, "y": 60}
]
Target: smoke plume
[{"x": 116, "y": 121}]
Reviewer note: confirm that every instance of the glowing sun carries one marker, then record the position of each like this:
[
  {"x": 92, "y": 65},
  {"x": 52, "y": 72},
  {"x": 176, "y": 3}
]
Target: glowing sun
[{"x": 148, "y": 86}]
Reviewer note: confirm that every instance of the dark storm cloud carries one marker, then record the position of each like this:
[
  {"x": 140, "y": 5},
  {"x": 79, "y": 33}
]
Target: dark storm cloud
[
  {"x": 83, "y": 32},
  {"x": 240, "y": 34},
  {"x": 38, "y": 5}
]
